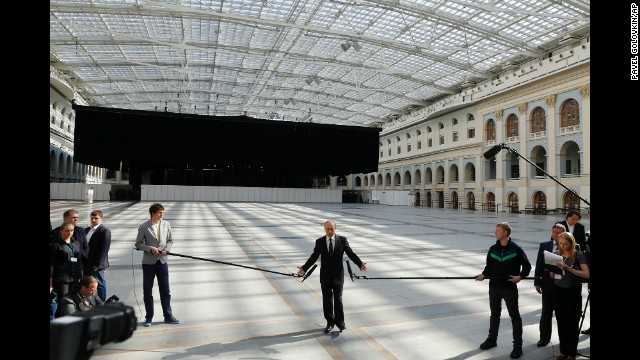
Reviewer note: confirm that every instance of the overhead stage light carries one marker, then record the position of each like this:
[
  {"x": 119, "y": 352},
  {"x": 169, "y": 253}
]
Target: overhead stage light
[
  {"x": 346, "y": 45},
  {"x": 309, "y": 81},
  {"x": 356, "y": 46}
]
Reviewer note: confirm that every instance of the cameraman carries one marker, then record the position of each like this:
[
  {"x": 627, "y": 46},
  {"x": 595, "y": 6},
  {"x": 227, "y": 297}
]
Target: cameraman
[{"x": 84, "y": 298}]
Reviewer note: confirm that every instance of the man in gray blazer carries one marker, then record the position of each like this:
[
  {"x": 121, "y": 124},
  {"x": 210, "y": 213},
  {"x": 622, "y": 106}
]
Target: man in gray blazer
[{"x": 154, "y": 238}]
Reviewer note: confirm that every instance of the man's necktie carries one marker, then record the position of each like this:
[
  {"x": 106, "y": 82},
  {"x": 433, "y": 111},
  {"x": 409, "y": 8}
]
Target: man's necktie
[{"x": 330, "y": 247}]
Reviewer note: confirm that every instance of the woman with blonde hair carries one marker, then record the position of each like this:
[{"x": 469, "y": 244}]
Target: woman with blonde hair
[{"x": 567, "y": 294}]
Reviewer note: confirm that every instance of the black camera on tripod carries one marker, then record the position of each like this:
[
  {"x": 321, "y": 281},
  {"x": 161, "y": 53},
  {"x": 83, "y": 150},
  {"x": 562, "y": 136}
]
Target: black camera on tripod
[
  {"x": 76, "y": 336},
  {"x": 113, "y": 298}
]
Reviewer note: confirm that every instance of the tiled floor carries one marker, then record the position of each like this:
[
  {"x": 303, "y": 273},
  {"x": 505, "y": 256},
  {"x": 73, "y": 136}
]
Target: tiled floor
[{"x": 231, "y": 312}]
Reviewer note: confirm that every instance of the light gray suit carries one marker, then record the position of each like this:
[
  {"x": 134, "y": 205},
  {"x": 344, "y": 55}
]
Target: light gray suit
[
  {"x": 155, "y": 266},
  {"x": 147, "y": 238}
]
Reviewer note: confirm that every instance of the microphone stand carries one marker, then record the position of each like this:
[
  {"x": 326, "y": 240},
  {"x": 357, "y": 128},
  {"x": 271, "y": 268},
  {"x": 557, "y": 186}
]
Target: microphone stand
[{"x": 503, "y": 146}]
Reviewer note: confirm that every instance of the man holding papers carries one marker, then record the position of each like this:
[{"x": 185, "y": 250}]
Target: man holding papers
[{"x": 544, "y": 284}]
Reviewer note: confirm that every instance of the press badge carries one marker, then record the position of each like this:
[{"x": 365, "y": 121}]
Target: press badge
[{"x": 74, "y": 259}]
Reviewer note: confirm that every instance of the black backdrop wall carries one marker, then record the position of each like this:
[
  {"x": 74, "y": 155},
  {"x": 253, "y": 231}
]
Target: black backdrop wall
[{"x": 187, "y": 149}]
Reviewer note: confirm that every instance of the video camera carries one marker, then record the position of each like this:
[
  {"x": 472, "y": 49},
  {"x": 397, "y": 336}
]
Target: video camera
[
  {"x": 76, "y": 336},
  {"x": 113, "y": 298}
]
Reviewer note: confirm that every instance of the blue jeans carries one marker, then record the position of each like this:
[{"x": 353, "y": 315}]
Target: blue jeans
[
  {"x": 52, "y": 309},
  {"x": 102, "y": 284},
  {"x": 149, "y": 273}
]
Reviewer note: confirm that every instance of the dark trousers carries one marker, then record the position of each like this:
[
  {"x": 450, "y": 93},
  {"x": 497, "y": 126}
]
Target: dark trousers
[
  {"x": 102, "y": 284},
  {"x": 510, "y": 296},
  {"x": 149, "y": 273},
  {"x": 567, "y": 303},
  {"x": 546, "y": 317},
  {"x": 332, "y": 303}
]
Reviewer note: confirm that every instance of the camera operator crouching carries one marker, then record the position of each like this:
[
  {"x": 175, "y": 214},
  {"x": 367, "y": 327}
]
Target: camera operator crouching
[{"x": 84, "y": 298}]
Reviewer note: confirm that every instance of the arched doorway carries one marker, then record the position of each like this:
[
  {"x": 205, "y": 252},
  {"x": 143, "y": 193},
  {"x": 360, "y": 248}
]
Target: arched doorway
[
  {"x": 471, "y": 201},
  {"x": 570, "y": 201},
  {"x": 428, "y": 198},
  {"x": 454, "y": 200},
  {"x": 539, "y": 203},
  {"x": 512, "y": 201},
  {"x": 491, "y": 202},
  {"x": 417, "y": 199},
  {"x": 441, "y": 199}
]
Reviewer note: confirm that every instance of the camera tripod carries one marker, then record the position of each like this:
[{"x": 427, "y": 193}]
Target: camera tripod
[{"x": 586, "y": 304}]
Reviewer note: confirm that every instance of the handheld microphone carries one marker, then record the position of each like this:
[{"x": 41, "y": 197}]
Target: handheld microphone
[
  {"x": 306, "y": 275},
  {"x": 493, "y": 151},
  {"x": 350, "y": 271}
]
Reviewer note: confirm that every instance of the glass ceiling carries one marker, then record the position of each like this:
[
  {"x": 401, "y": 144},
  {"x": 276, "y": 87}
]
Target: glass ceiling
[{"x": 346, "y": 62}]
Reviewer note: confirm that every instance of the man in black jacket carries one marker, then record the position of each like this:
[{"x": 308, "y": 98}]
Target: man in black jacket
[
  {"x": 571, "y": 223},
  {"x": 99, "y": 239},
  {"x": 544, "y": 284},
  {"x": 330, "y": 249},
  {"x": 507, "y": 264}
]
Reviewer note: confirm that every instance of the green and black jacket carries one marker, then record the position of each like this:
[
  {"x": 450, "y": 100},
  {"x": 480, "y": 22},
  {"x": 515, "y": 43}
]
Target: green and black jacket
[{"x": 503, "y": 261}]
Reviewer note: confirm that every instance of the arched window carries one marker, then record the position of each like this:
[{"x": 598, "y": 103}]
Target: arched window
[
  {"x": 538, "y": 120},
  {"x": 569, "y": 113},
  {"x": 441, "y": 126},
  {"x": 491, "y": 130},
  {"x": 429, "y": 129},
  {"x": 512, "y": 126}
]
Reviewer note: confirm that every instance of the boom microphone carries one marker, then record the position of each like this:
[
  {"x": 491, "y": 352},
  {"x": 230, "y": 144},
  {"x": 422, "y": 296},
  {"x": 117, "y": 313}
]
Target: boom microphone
[
  {"x": 350, "y": 271},
  {"x": 306, "y": 275},
  {"x": 492, "y": 152}
]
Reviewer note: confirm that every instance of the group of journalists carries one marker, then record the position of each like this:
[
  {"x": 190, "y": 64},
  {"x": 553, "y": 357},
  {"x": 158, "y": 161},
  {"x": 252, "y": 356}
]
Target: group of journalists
[{"x": 79, "y": 257}]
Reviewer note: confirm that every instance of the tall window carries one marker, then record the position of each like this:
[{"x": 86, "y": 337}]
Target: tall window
[
  {"x": 455, "y": 136},
  {"x": 441, "y": 139},
  {"x": 569, "y": 113},
  {"x": 491, "y": 130},
  {"x": 512, "y": 126},
  {"x": 538, "y": 120}
]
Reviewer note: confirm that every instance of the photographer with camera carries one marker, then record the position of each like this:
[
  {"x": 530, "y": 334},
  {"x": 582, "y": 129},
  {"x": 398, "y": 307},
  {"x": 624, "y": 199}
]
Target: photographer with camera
[{"x": 84, "y": 298}]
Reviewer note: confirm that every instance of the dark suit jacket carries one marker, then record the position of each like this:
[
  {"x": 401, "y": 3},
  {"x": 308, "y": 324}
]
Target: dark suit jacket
[
  {"x": 578, "y": 234},
  {"x": 99, "y": 247},
  {"x": 542, "y": 270},
  {"x": 331, "y": 268},
  {"x": 71, "y": 302},
  {"x": 79, "y": 235}
]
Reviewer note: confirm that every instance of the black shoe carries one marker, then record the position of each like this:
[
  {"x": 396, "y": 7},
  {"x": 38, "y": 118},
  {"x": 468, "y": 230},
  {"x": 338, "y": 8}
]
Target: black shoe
[
  {"x": 517, "y": 352},
  {"x": 488, "y": 344},
  {"x": 328, "y": 328},
  {"x": 542, "y": 343},
  {"x": 342, "y": 327},
  {"x": 586, "y": 332},
  {"x": 171, "y": 320}
]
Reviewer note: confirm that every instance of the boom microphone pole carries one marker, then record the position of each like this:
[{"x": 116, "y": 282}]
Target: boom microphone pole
[
  {"x": 496, "y": 149},
  {"x": 306, "y": 275},
  {"x": 354, "y": 276},
  {"x": 238, "y": 265}
]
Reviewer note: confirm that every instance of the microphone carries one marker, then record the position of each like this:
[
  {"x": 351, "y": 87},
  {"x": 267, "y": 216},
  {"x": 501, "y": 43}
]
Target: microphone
[
  {"x": 306, "y": 275},
  {"x": 350, "y": 271},
  {"x": 492, "y": 152}
]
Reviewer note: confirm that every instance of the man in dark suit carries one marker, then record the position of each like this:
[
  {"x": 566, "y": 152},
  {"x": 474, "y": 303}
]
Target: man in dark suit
[
  {"x": 99, "y": 239},
  {"x": 576, "y": 229},
  {"x": 330, "y": 249},
  {"x": 82, "y": 299},
  {"x": 544, "y": 284},
  {"x": 79, "y": 235}
]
